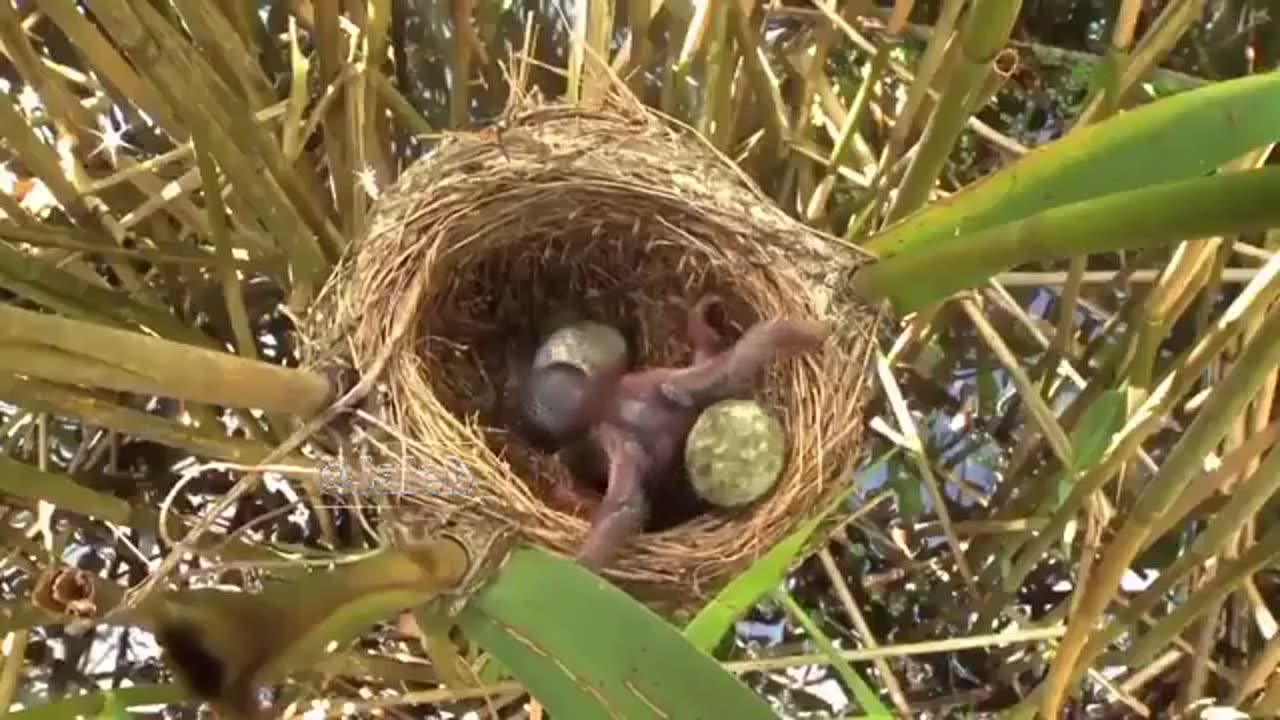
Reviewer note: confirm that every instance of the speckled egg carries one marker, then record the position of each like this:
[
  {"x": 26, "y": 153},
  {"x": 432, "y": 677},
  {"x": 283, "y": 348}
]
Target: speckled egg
[{"x": 734, "y": 453}]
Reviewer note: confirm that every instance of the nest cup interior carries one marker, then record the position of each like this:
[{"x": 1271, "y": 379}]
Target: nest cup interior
[
  {"x": 507, "y": 297},
  {"x": 496, "y": 300},
  {"x": 482, "y": 243}
]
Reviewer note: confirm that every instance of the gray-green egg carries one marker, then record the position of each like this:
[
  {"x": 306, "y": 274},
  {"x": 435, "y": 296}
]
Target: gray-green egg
[
  {"x": 734, "y": 453},
  {"x": 587, "y": 345}
]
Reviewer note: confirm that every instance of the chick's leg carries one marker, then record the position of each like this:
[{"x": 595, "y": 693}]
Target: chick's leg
[
  {"x": 625, "y": 508},
  {"x": 731, "y": 372}
]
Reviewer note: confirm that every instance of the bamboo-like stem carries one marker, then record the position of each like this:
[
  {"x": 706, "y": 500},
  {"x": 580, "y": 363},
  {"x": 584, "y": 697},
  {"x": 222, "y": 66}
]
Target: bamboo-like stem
[
  {"x": 1003, "y": 67},
  {"x": 596, "y": 79},
  {"x": 111, "y": 65},
  {"x": 57, "y": 399},
  {"x": 1038, "y": 408},
  {"x": 83, "y": 295},
  {"x": 401, "y": 108},
  {"x": 1195, "y": 673},
  {"x": 11, "y": 672},
  {"x": 460, "y": 65},
  {"x": 939, "y": 38},
  {"x": 375, "y": 126},
  {"x": 639, "y": 47},
  {"x": 226, "y": 52},
  {"x": 756, "y": 66},
  {"x": 1164, "y": 33},
  {"x": 1243, "y": 455},
  {"x": 916, "y": 452},
  {"x": 1263, "y": 666},
  {"x": 1229, "y": 576},
  {"x": 1250, "y": 496},
  {"x": 192, "y": 93},
  {"x": 233, "y": 294},
  {"x": 695, "y": 36},
  {"x": 1179, "y": 281},
  {"x": 810, "y": 66},
  {"x": 1228, "y": 399},
  {"x": 857, "y": 110},
  {"x": 860, "y": 623},
  {"x": 331, "y": 45},
  {"x": 1253, "y": 302},
  {"x": 201, "y": 90},
  {"x": 38, "y": 156},
  {"x": 82, "y": 353},
  {"x": 72, "y": 119},
  {"x": 984, "y": 34},
  {"x": 714, "y": 116},
  {"x": 24, "y": 481}
]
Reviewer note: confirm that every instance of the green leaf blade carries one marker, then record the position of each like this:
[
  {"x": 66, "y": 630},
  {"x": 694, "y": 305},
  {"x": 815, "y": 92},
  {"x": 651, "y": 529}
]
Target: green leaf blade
[
  {"x": 586, "y": 649},
  {"x": 718, "y": 616},
  {"x": 1175, "y": 138},
  {"x": 1155, "y": 216}
]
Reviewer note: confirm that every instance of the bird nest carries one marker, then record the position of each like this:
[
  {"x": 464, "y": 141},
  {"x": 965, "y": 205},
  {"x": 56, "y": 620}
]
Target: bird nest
[{"x": 619, "y": 215}]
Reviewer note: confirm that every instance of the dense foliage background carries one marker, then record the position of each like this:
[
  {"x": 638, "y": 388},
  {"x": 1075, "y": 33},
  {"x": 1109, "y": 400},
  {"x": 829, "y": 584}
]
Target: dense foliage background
[{"x": 192, "y": 170}]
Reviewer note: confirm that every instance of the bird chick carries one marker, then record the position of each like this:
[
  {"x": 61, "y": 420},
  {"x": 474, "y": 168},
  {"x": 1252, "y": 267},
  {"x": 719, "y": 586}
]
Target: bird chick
[{"x": 641, "y": 420}]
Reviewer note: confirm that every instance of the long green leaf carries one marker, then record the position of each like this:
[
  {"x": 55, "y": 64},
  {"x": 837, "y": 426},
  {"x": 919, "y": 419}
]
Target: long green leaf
[
  {"x": 865, "y": 696},
  {"x": 1176, "y": 138},
  {"x": 717, "y": 617},
  {"x": 585, "y": 649},
  {"x": 1104, "y": 418},
  {"x": 1161, "y": 215}
]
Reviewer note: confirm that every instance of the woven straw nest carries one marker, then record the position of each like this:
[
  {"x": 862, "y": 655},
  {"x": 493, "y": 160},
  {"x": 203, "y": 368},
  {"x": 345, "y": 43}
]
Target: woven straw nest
[{"x": 612, "y": 212}]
